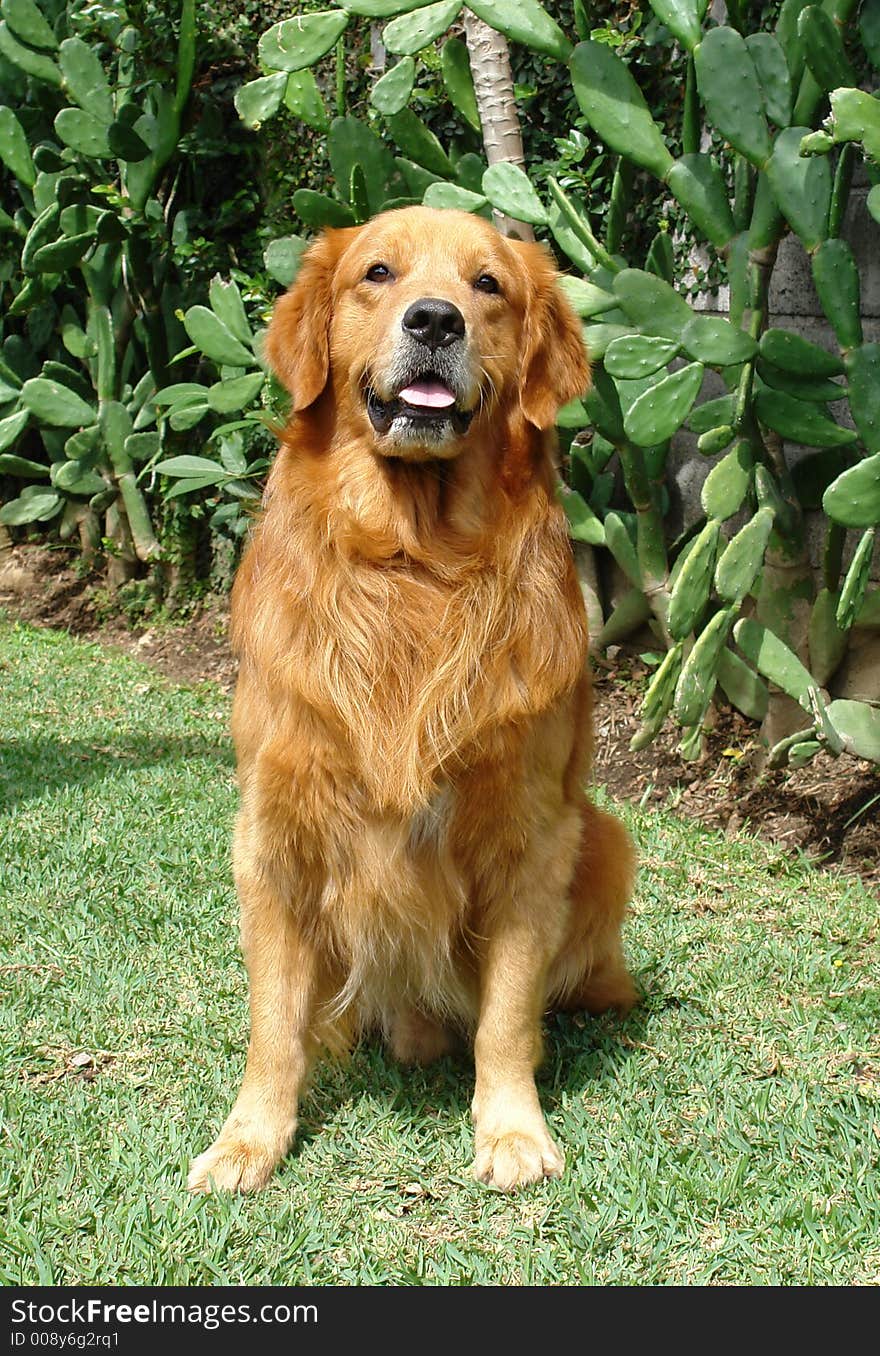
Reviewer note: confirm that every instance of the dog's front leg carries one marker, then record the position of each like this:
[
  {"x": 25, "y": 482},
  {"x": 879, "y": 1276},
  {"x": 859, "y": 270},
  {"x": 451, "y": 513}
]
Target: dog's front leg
[
  {"x": 282, "y": 969},
  {"x": 513, "y": 1144}
]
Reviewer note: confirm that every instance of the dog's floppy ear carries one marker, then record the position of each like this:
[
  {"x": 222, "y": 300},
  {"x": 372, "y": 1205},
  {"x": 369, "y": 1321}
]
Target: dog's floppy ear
[
  {"x": 298, "y": 342},
  {"x": 555, "y": 367}
]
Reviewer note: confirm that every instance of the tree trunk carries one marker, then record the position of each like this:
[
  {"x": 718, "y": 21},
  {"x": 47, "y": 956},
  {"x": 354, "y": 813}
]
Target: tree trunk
[{"x": 493, "y": 86}]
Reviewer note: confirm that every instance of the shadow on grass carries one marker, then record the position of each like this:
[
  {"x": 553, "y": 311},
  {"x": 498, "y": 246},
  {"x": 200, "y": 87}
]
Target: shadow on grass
[
  {"x": 30, "y": 767},
  {"x": 580, "y": 1053}
]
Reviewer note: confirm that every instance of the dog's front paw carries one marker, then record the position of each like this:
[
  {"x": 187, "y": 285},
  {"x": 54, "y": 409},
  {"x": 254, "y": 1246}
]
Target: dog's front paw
[
  {"x": 233, "y": 1163},
  {"x": 517, "y": 1158}
]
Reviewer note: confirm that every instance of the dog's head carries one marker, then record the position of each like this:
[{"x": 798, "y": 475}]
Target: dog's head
[{"x": 426, "y": 323}]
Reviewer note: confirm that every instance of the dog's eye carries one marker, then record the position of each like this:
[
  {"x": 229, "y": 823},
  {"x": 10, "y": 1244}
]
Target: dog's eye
[
  {"x": 378, "y": 273},
  {"x": 486, "y": 283}
]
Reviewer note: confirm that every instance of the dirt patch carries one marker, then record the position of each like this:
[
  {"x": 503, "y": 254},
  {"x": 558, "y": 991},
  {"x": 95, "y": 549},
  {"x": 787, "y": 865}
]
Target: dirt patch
[
  {"x": 829, "y": 809},
  {"x": 43, "y": 586}
]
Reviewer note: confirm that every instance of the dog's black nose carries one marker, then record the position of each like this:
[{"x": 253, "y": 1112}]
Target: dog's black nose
[{"x": 434, "y": 322}]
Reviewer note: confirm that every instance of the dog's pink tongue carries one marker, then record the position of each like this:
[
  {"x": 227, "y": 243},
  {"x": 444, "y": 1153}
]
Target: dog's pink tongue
[{"x": 429, "y": 394}]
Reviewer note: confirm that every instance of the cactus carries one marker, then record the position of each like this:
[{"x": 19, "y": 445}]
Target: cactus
[
  {"x": 409, "y": 33},
  {"x": 775, "y": 660},
  {"x": 858, "y": 726},
  {"x": 296, "y": 43},
  {"x": 853, "y": 499}
]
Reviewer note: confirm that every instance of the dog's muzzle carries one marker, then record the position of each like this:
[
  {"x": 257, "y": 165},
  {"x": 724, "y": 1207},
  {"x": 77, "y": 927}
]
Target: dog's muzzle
[{"x": 428, "y": 378}]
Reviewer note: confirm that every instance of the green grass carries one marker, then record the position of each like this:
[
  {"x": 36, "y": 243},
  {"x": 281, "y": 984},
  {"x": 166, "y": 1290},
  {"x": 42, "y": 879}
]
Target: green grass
[{"x": 727, "y": 1132}]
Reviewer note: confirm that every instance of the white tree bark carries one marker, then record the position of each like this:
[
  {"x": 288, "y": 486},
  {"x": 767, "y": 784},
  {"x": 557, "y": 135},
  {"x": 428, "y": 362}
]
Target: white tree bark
[{"x": 493, "y": 86}]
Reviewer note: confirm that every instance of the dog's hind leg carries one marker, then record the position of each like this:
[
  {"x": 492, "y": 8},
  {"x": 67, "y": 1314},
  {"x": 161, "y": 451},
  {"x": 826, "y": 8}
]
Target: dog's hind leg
[
  {"x": 416, "y": 1038},
  {"x": 590, "y": 972}
]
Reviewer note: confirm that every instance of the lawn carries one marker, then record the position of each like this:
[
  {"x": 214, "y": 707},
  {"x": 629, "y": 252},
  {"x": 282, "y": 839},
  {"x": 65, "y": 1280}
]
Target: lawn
[{"x": 727, "y": 1132}]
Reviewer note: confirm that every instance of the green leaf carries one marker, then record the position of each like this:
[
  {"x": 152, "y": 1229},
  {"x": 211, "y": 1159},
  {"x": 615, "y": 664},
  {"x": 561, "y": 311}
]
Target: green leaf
[
  {"x": 83, "y": 133},
  {"x": 391, "y": 93},
  {"x": 836, "y": 277},
  {"x": 651, "y": 304},
  {"x": 858, "y": 726},
  {"x": 227, "y": 305},
  {"x": 863, "y": 373},
  {"x": 14, "y": 149},
  {"x": 638, "y": 355},
  {"x": 381, "y": 9},
  {"x": 661, "y": 411},
  {"x": 260, "y": 99},
  {"x": 614, "y": 106},
  {"x": 853, "y": 499},
  {"x": 455, "y": 68},
  {"x": 227, "y": 397},
  {"x": 35, "y": 508},
  {"x": 318, "y": 211},
  {"x": 411, "y": 32},
  {"x": 715, "y": 342},
  {"x": 683, "y": 18},
  {"x": 799, "y": 421},
  {"x": 698, "y": 184},
  {"x": 527, "y": 22},
  {"x": 660, "y": 258},
  {"x": 584, "y": 298},
  {"x": 85, "y": 79},
  {"x": 28, "y": 23},
  {"x": 182, "y": 391},
  {"x": 126, "y": 145},
  {"x": 728, "y": 84},
  {"x": 797, "y": 355},
  {"x": 856, "y": 117},
  {"x": 621, "y": 546},
  {"x": 714, "y": 440},
  {"x": 742, "y": 686},
  {"x": 509, "y": 190},
  {"x": 801, "y": 187},
  {"x": 417, "y": 141},
  {"x": 446, "y": 195},
  {"x": 696, "y": 685},
  {"x": 303, "y": 98},
  {"x": 727, "y": 484},
  {"x": 300, "y": 42},
  {"x": 63, "y": 254},
  {"x": 693, "y": 585},
  {"x": 743, "y": 557},
  {"x": 772, "y": 657},
  {"x": 282, "y": 258},
  {"x": 815, "y": 390},
  {"x": 855, "y": 585},
  {"x": 190, "y": 467},
  {"x": 711, "y": 415},
  {"x": 773, "y": 76},
  {"x": 56, "y": 405},
  {"x": 73, "y": 478},
  {"x": 597, "y": 338},
  {"x": 583, "y": 525},
  {"x": 215, "y": 339},
  {"x": 33, "y": 63},
  {"x": 11, "y": 428},
  {"x": 352, "y": 142},
  {"x": 823, "y": 49},
  {"x": 186, "y": 416}
]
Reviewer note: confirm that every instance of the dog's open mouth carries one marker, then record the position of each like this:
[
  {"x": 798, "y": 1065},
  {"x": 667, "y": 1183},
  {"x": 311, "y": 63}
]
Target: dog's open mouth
[{"x": 426, "y": 400}]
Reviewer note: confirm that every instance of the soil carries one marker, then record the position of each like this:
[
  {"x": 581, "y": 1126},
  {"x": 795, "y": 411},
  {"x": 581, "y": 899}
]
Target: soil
[{"x": 828, "y": 810}]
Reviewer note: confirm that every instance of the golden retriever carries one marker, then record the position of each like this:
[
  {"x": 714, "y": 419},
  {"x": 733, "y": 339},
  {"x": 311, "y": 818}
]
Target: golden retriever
[{"x": 415, "y": 852}]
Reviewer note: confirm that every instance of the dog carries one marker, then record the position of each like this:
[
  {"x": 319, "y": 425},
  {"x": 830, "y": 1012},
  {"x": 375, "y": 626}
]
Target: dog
[{"x": 415, "y": 852}]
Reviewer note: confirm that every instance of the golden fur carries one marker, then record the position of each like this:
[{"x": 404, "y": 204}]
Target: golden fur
[{"x": 414, "y": 850}]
